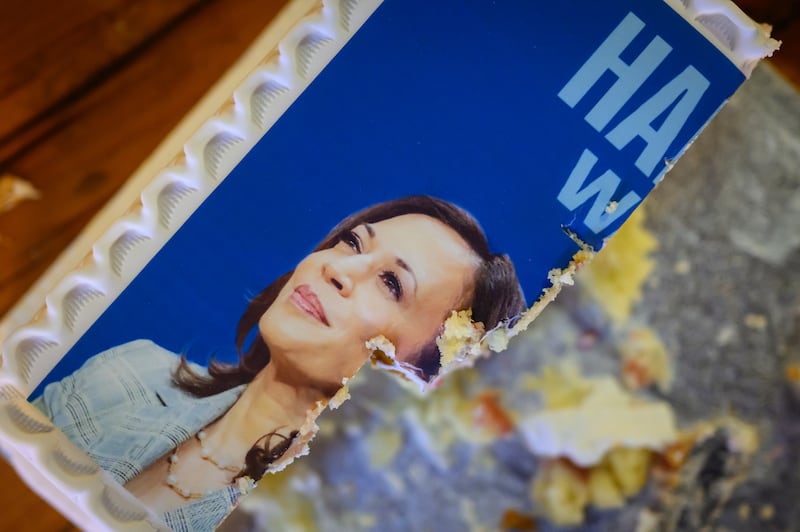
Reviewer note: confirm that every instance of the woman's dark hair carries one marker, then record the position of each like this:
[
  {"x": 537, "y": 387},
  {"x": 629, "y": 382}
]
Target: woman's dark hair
[
  {"x": 261, "y": 454},
  {"x": 496, "y": 296}
]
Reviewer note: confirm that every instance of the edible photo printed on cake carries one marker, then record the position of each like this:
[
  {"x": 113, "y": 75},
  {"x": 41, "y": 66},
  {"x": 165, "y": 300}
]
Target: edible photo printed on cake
[
  {"x": 426, "y": 182},
  {"x": 189, "y": 439}
]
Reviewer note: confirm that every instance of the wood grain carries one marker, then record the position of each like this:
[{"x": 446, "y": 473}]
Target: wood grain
[
  {"x": 24, "y": 510},
  {"x": 80, "y": 151},
  {"x": 48, "y": 69}
]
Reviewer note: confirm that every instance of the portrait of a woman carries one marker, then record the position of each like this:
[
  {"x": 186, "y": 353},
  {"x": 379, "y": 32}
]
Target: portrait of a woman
[{"x": 187, "y": 440}]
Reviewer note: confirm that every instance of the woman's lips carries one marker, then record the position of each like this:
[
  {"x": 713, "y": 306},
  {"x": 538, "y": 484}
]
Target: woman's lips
[{"x": 306, "y": 300}]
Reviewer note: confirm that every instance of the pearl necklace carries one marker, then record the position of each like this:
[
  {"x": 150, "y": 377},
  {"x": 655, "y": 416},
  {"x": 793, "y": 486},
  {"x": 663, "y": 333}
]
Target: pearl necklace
[{"x": 205, "y": 453}]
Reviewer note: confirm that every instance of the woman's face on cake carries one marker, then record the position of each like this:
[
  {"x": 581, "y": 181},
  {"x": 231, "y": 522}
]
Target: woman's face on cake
[{"x": 399, "y": 277}]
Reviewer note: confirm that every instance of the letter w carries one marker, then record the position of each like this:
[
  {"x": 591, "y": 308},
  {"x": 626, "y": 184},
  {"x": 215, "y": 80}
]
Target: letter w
[{"x": 573, "y": 196}]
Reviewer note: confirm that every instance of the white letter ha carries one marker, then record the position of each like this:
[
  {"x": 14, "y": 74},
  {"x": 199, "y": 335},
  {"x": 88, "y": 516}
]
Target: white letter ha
[
  {"x": 572, "y": 196},
  {"x": 607, "y": 58},
  {"x": 687, "y": 88}
]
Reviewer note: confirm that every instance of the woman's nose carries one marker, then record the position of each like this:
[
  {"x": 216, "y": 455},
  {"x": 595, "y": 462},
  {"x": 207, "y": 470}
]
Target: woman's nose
[{"x": 345, "y": 273}]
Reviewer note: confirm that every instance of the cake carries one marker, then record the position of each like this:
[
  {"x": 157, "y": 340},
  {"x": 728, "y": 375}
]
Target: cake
[{"x": 177, "y": 221}]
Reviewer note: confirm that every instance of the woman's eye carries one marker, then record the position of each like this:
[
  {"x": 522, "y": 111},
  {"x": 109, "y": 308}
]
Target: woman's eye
[
  {"x": 352, "y": 239},
  {"x": 393, "y": 284}
]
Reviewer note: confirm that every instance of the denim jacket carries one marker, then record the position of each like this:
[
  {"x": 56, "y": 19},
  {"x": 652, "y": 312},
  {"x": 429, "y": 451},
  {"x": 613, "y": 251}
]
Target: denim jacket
[{"x": 122, "y": 409}]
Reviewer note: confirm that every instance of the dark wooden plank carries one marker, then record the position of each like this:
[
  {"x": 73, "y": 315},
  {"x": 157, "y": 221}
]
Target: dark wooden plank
[
  {"x": 773, "y": 12},
  {"x": 50, "y": 50},
  {"x": 89, "y": 148},
  {"x": 24, "y": 510}
]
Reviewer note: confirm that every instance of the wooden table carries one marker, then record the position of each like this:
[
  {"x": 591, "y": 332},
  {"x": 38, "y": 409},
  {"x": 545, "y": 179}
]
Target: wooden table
[{"x": 89, "y": 88}]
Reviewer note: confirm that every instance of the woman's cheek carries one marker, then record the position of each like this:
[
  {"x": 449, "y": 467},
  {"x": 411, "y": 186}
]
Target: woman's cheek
[{"x": 375, "y": 318}]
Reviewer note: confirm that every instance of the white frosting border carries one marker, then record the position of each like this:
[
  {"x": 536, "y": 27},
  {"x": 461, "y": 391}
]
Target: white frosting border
[{"x": 53, "y": 466}]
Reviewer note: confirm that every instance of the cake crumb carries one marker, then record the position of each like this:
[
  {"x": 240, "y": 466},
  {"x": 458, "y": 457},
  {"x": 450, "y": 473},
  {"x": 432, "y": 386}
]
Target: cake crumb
[
  {"x": 460, "y": 343},
  {"x": 14, "y": 190},
  {"x": 560, "y": 386},
  {"x": 561, "y": 493},
  {"x": 793, "y": 373},
  {"x": 342, "y": 395},
  {"x": 744, "y": 511},
  {"x": 604, "y": 490},
  {"x": 514, "y": 520},
  {"x": 469, "y": 514},
  {"x": 356, "y": 521},
  {"x": 327, "y": 427},
  {"x": 612, "y": 207},
  {"x": 675, "y": 454},
  {"x": 383, "y": 445},
  {"x": 757, "y": 322},
  {"x": 682, "y": 267},
  {"x": 645, "y": 361},
  {"x": 490, "y": 414},
  {"x": 615, "y": 278},
  {"x": 766, "y": 512},
  {"x": 630, "y": 467},
  {"x": 648, "y": 521},
  {"x": 382, "y": 356},
  {"x": 726, "y": 335}
]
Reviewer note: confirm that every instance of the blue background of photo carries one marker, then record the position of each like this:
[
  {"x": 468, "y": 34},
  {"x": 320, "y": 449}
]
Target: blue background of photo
[{"x": 457, "y": 99}]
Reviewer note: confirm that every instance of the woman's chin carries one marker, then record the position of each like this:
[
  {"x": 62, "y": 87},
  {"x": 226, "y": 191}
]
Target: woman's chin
[{"x": 293, "y": 333}]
